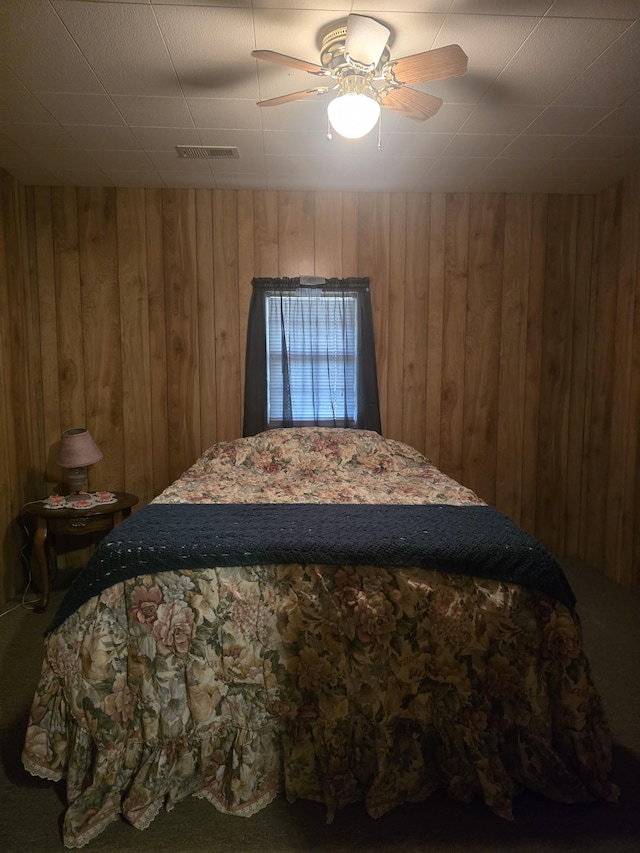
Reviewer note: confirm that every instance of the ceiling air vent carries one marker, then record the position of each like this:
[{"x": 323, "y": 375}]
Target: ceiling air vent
[{"x": 216, "y": 152}]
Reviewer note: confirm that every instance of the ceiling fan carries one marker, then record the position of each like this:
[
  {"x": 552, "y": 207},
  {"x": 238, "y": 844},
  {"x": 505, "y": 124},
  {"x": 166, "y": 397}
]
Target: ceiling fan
[{"x": 355, "y": 61}]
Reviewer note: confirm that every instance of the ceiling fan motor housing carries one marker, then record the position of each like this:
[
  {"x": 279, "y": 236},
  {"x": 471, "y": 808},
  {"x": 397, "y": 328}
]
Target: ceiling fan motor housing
[{"x": 333, "y": 54}]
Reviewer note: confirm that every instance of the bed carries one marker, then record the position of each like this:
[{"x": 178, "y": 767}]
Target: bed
[{"x": 320, "y": 613}]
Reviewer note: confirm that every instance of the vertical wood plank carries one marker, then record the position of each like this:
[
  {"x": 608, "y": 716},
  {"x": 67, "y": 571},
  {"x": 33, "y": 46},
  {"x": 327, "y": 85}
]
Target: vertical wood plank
[
  {"x": 296, "y": 234},
  {"x": 435, "y": 318},
  {"x": 11, "y": 490},
  {"x": 181, "y": 306},
  {"x": 246, "y": 271},
  {"x": 630, "y": 574},
  {"x": 101, "y": 341},
  {"x": 482, "y": 341},
  {"x": 328, "y": 235},
  {"x": 578, "y": 387},
  {"x": 535, "y": 303},
  {"x": 602, "y": 368},
  {"x": 513, "y": 353},
  {"x": 454, "y": 332},
  {"x": 373, "y": 263},
  {"x": 553, "y": 422},
  {"x": 48, "y": 332},
  {"x": 621, "y": 384},
  {"x": 397, "y": 278},
  {"x": 68, "y": 306},
  {"x": 267, "y": 229},
  {"x": 414, "y": 373},
  {"x": 206, "y": 247},
  {"x": 157, "y": 340},
  {"x": 349, "y": 234},
  {"x": 227, "y": 332},
  {"x": 134, "y": 332},
  {"x": 30, "y": 365}
]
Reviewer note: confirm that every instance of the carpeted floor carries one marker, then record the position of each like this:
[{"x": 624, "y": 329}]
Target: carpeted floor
[{"x": 31, "y": 809}]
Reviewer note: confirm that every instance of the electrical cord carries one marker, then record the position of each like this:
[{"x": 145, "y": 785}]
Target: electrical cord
[{"x": 26, "y": 605}]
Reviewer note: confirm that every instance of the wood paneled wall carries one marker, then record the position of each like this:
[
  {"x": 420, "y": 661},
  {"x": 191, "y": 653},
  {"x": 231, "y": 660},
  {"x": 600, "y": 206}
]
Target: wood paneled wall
[{"x": 507, "y": 337}]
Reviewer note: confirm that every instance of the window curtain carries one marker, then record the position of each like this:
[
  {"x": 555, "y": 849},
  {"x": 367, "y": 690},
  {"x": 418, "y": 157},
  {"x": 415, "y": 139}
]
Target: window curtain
[{"x": 267, "y": 310}]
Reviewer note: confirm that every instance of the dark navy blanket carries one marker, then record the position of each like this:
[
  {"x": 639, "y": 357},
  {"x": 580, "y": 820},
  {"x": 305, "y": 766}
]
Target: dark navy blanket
[{"x": 474, "y": 540}]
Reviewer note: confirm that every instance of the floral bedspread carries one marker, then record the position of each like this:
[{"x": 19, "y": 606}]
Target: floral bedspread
[{"x": 334, "y": 684}]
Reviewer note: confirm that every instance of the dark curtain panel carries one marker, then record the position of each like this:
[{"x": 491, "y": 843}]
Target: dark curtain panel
[{"x": 325, "y": 346}]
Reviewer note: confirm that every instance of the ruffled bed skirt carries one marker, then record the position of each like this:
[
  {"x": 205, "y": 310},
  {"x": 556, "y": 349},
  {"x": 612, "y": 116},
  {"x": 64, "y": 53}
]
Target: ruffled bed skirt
[{"x": 334, "y": 685}]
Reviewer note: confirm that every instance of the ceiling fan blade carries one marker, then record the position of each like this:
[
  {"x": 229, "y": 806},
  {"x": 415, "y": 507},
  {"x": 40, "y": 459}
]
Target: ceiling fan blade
[
  {"x": 412, "y": 104},
  {"x": 366, "y": 39},
  {"x": 294, "y": 96},
  {"x": 437, "y": 64},
  {"x": 289, "y": 61}
]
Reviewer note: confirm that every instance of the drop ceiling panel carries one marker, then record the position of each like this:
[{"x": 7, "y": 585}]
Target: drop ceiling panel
[
  {"x": 126, "y": 46},
  {"x": 553, "y": 56},
  {"x": 81, "y": 109},
  {"x": 153, "y": 111},
  {"x": 40, "y": 51}
]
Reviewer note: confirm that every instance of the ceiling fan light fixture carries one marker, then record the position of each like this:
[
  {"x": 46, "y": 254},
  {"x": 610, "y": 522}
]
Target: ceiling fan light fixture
[{"x": 353, "y": 115}]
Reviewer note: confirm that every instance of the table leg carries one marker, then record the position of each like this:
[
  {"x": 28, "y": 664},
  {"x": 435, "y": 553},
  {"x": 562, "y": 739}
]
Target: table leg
[{"x": 40, "y": 555}]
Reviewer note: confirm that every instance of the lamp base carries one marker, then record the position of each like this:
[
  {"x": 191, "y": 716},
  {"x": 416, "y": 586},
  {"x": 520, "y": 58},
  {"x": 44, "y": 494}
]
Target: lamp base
[{"x": 78, "y": 479}]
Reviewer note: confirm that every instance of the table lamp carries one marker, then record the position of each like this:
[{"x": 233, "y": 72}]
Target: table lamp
[{"x": 77, "y": 451}]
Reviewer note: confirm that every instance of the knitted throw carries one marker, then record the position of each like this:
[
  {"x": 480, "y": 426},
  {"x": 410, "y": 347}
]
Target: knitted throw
[{"x": 475, "y": 540}]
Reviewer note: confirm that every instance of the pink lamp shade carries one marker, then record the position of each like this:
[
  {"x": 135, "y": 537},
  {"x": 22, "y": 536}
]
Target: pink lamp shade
[{"x": 77, "y": 451}]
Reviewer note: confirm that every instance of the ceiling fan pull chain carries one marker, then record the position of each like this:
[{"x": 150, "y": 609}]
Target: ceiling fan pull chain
[
  {"x": 329, "y": 134},
  {"x": 380, "y": 132}
]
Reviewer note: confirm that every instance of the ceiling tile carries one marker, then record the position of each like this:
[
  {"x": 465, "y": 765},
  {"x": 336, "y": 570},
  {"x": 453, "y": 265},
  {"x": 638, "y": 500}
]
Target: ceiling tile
[
  {"x": 38, "y": 48},
  {"x": 247, "y": 141},
  {"x": 82, "y": 178},
  {"x": 225, "y": 113},
  {"x": 542, "y": 147},
  {"x": 492, "y": 118},
  {"x": 81, "y": 109},
  {"x": 63, "y": 158},
  {"x": 238, "y": 181},
  {"x": 9, "y": 82},
  {"x": 134, "y": 178},
  {"x": 166, "y": 138},
  {"x": 448, "y": 119},
  {"x": 245, "y": 164},
  {"x": 461, "y": 166},
  {"x": 23, "y": 107},
  {"x": 500, "y": 7},
  {"x": 153, "y": 111},
  {"x": 170, "y": 161},
  {"x": 555, "y": 54},
  {"x": 468, "y": 89},
  {"x": 488, "y": 40},
  {"x": 210, "y": 49},
  {"x": 594, "y": 8},
  {"x": 31, "y": 136},
  {"x": 126, "y": 46},
  {"x": 477, "y": 144},
  {"x": 94, "y": 136},
  {"x": 121, "y": 160},
  {"x": 606, "y": 147},
  {"x": 602, "y": 84},
  {"x": 566, "y": 119},
  {"x": 176, "y": 179},
  {"x": 622, "y": 122}
]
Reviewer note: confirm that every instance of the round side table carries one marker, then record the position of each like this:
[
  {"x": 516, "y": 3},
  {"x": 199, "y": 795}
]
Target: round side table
[{"x": 99, "y": 519}]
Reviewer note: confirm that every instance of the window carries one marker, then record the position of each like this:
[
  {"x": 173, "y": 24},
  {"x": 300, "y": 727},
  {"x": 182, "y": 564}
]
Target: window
[
  {"x": 311, "y": 341},
  {"x": 310, "y": 355}
]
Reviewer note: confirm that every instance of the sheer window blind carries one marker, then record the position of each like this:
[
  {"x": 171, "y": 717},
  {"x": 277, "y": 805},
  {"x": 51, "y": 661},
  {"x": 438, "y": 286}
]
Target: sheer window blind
[{"x": 312, "y": 349}]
